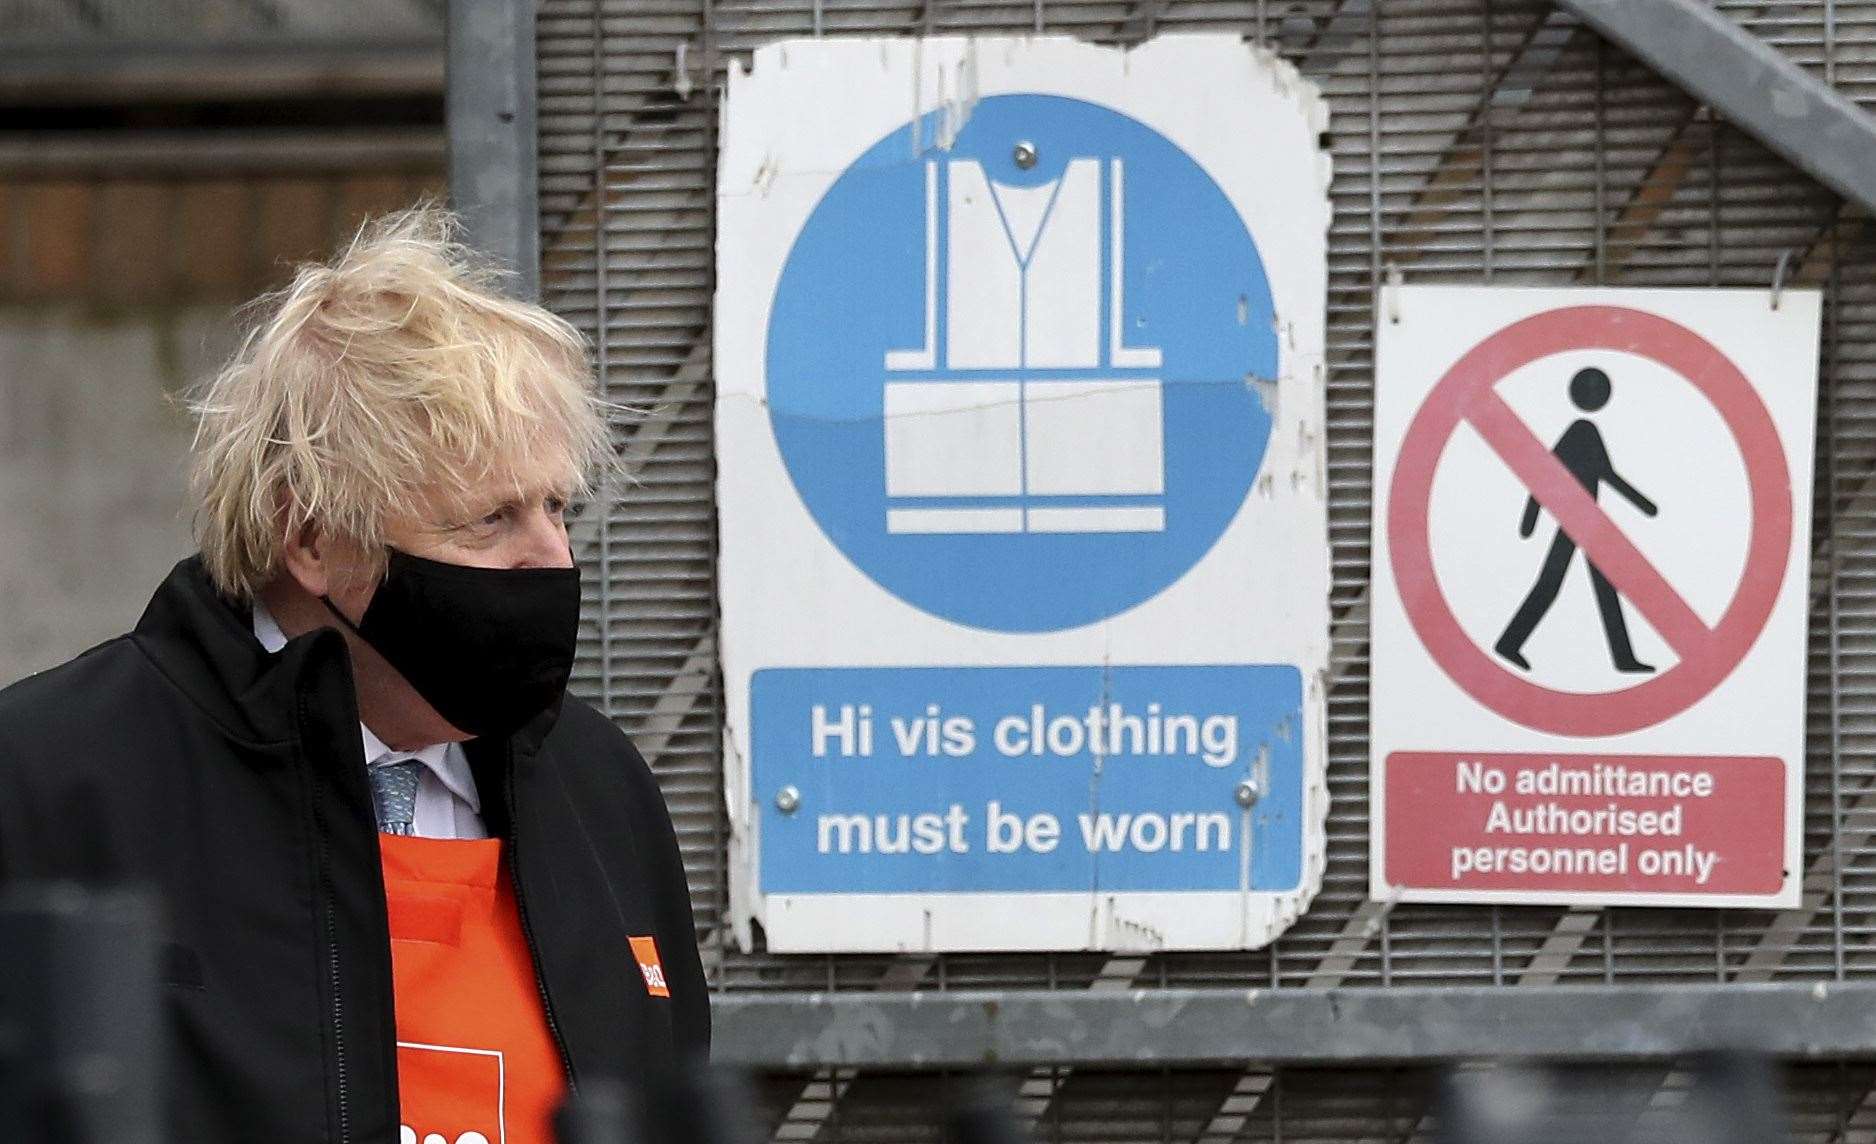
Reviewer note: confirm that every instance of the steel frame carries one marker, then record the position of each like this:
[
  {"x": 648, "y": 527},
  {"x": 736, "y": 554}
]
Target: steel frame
[
  {"x": 490, "y": 109},
  {"x": 1053, "y": 1031},
  {"x": 1210, "y": 1027},
  {"x": 1708, "y": 55}
]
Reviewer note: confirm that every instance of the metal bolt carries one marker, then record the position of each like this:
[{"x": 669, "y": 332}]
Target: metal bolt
[
  {"x": 1248, "y": 793},
  {"x": 787, "y": 800},
  {"x": 1025, "y": 155}
]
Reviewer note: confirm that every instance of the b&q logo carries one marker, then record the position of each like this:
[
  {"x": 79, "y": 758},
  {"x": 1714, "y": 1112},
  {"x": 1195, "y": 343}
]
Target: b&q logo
[
  {"x": 455, "y": 1093},
  {"x": 645, "y": 949},
  {"x": 408, "y": 1135}
]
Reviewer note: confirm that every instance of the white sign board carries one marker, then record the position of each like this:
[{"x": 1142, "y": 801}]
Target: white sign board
[
  {"x": 1592, "y": 513},
  {"x": 1024, "y": 563}
]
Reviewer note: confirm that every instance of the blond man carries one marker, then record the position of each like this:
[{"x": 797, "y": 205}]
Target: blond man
[{"x": 412, "y": 888}]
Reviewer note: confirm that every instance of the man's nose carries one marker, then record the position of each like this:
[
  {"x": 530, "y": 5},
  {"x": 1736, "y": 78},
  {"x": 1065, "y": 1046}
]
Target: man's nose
[{"x": 544, "y": 541}]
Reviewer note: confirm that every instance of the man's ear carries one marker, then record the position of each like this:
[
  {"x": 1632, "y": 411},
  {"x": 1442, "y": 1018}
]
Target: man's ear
[{"x": 307, "y": 557}]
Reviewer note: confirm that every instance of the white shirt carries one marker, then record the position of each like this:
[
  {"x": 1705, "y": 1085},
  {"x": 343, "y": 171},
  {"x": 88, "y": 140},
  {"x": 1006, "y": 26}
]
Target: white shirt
[{"x": 447, "y": 803}]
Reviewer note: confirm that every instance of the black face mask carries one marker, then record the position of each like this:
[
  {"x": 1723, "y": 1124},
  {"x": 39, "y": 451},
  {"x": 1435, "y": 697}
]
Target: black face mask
[{"x": 489, "y": 648}]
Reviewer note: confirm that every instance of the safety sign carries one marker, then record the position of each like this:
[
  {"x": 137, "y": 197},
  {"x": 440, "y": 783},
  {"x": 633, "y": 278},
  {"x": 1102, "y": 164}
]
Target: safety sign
[
  {"x": 1589, "y": 615},
  {"x": 1022, "y": 502}
]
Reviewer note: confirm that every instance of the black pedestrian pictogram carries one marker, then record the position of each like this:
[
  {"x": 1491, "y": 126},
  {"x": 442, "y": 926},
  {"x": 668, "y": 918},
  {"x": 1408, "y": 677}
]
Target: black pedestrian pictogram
[{"x": 1582, "y": 452}]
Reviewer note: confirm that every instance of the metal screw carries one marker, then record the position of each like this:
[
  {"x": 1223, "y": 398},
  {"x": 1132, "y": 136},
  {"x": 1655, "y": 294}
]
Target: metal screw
[
  {"x": 787, "y": 800},
  {"x": 1025, "y": 155},
  {"x": 1248, "y": 793}
]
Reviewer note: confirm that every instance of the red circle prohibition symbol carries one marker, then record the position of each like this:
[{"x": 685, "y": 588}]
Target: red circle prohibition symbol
[{"x": 1705, "y": 655}]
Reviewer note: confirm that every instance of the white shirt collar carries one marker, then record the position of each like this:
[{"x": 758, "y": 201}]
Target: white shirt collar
[{"x": 450, "y": 767}]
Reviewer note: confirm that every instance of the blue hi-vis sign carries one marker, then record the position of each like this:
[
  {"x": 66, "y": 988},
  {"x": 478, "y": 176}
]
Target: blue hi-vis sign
[
  {"x": 1022, "y": 494},
  {"x": 1035, "y": 347},
  {"x": 1030, "y": 778}
]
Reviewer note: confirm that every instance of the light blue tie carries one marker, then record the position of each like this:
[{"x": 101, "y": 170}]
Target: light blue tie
[{"x": 394, "y": 791}]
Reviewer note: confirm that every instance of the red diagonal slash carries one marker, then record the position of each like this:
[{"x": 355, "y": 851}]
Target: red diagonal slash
[
  {"x": 1466, "y": 393},
  {"x": 1585, "y": 522}
]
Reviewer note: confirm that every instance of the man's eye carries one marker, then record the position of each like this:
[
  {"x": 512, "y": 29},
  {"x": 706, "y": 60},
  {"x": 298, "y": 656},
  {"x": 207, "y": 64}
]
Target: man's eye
[
  {"x": 572, "y": 510},
  {"x": 495, "y": 517}
]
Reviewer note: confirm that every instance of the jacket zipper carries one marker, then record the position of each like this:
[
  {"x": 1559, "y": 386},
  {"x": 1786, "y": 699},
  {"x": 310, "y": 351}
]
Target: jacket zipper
[
  {"x": 333, "y": 976},
  {"x": 338, "y": 1018},
  {"x": 527, "y": 927}
]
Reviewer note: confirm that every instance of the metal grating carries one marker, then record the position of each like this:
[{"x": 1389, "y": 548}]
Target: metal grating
[
  {"x": 1473, "y": 140},
  {"x": 1824, "y": 1103}
]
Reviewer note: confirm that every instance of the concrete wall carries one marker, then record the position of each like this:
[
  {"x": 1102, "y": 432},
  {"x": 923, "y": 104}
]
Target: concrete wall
[
  {"x": 93, "y": 455},
  {"x": 117, "y": 292}
]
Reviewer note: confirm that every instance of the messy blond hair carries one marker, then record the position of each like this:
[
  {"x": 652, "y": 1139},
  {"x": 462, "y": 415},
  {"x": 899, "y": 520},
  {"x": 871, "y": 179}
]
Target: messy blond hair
[{"x": 376, "y": 387}]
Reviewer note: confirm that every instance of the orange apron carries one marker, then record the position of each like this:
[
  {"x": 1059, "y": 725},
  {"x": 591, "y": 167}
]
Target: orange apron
[{"x": 476, "y": 1063}]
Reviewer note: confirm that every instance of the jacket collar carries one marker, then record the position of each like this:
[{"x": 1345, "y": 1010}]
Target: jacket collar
[{"x": 204, "y": 643}]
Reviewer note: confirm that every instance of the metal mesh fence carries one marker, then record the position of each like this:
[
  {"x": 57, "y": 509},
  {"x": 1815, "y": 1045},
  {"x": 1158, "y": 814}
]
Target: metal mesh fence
[
  {"x": 1825, "y": 1103},
  {"x": 1473, "y": 140}
]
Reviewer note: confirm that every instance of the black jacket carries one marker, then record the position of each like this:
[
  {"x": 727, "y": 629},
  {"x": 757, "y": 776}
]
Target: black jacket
[{"x": 184, "y": 757}]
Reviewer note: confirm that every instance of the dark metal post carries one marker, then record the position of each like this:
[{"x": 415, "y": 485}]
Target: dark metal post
[{"x": 490, "y": 107}]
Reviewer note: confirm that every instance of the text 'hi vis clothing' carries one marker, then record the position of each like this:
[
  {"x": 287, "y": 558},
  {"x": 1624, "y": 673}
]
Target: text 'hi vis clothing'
[{"x": 186, "y": 758}]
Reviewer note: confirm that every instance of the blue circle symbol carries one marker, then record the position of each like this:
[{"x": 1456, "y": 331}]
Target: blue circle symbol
[{"x": 1015, "y": 373}]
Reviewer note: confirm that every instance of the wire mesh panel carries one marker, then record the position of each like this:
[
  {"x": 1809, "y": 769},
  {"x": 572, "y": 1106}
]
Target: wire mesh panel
[
  {"x": 1473, "y": 140},
  {"x": 1823, "y": 1103},
  {"x": 625, "y": 162}
]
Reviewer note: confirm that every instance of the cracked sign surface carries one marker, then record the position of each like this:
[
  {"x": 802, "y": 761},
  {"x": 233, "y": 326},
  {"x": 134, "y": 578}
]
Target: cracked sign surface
[{"x": 1025, "y": 569}]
